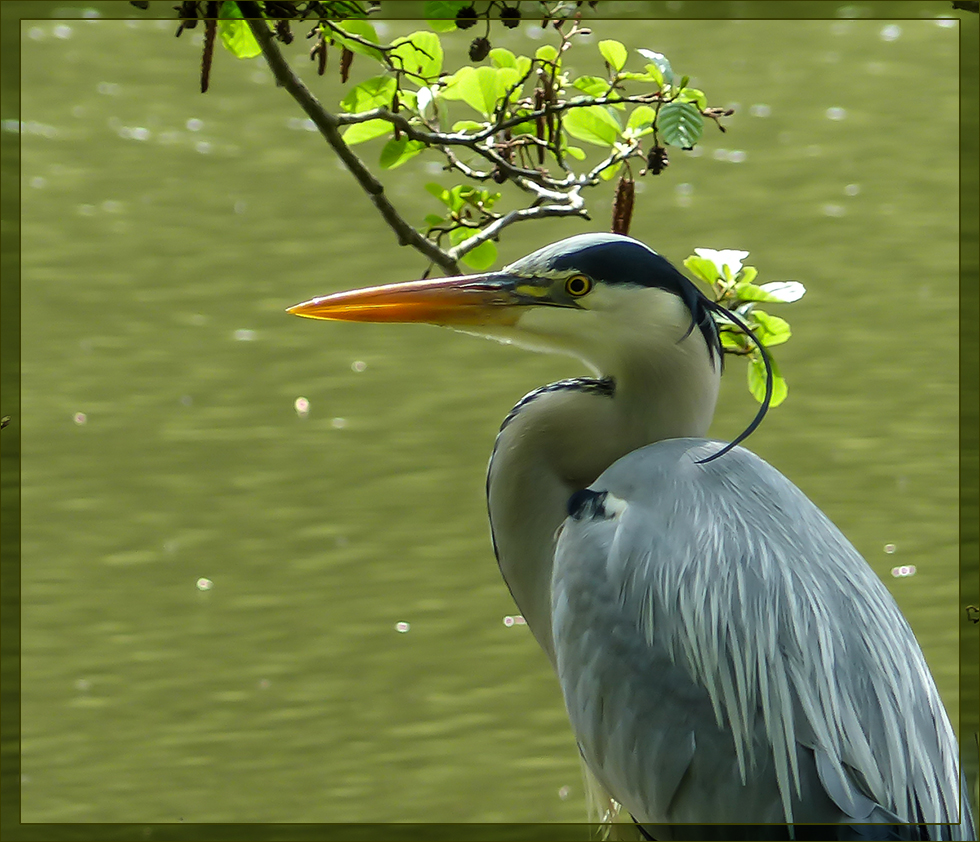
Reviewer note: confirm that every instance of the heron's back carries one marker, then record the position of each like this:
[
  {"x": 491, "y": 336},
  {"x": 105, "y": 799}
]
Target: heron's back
[{"x": 727, "y": 656}]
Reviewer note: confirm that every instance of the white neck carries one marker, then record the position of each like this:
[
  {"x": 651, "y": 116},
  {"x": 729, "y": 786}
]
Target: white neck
[{"x": 561, "y": 439}]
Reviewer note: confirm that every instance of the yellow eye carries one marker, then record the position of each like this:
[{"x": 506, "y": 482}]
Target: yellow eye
[{"x": 578, "y": 285}]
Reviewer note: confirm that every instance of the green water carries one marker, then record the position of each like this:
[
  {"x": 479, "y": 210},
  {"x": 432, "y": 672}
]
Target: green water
[{"x": 164, "y": 233}]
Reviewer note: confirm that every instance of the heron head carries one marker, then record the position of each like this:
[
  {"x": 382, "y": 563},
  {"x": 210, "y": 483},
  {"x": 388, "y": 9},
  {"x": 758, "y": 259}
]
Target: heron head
[{"x": 593, "y": 296}]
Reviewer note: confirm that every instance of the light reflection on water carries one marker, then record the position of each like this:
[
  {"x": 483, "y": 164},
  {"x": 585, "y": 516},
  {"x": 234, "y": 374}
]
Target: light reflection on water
[{"x": 346, "y": 658}]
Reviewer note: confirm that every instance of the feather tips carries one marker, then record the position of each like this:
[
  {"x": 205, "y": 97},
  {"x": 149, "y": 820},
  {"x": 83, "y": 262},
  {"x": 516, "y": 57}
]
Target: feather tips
[{"x": 783, "y": 623}]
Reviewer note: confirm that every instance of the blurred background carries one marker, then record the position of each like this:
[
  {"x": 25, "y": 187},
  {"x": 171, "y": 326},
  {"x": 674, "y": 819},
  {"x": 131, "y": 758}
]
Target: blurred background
[{"x": 257, "y": 578}]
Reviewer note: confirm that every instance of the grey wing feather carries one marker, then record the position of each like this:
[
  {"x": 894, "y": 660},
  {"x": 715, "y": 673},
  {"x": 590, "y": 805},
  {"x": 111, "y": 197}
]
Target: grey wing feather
[{"x": 716, "y": 634}]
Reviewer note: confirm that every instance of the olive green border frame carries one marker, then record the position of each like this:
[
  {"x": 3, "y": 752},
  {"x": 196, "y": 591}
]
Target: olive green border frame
[{"x": 11, "y": 14}]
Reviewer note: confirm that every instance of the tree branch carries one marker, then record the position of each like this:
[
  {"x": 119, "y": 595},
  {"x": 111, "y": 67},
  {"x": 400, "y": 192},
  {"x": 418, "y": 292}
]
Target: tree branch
[
  {"x": 328, "y": 125},
  {"x": 575, "y": 207}
]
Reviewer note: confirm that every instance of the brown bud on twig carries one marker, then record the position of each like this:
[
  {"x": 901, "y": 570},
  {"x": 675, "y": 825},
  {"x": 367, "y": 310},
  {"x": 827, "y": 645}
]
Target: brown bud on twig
[
  {"x": 318, "y": 53},
  {"x": 622, "y": 213},
  {"x": 346, "y": 57},
  {"x": 499, "y": 176},
  {"x": 394, "y": 110},
  {"x": 466, "y": 17},
  {"x": 479, "y": 49},
  {"x": 510, "y": 16},
  {"x": 187, "y": 11},
  {"x": 656, "y": 161},
  {"x": 283, "y": 32}
]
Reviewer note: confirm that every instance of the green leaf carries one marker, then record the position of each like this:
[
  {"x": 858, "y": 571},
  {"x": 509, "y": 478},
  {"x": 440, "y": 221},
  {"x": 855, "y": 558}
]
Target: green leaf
[
  {"x": 771, "y": 330},
  {"x": 522, "y": 128},
  {"x": 235, "y": 32},
  {"x": 614, "y": 53},
  {"x": 702, "y": 268},
  {"x": 456, "y": 198},
  {"x": 488, "y": 199},
  {"x": 482, "y": 257},
  {"x": 660, "y": 62},
  {"x": 441, "y": 25},
  {"x": 734, "y": 339},
  {"x": 757, "y": 381},
  {"x": 440, "y": 192},
  {"x": 440, "y": 15},
  {"x": 640, "y": 121},
  {"x": 503, "y": 58},
  {"x": 368, "y": 130},
  {"x": 432, "y": 219},
  {"x": 396, "y": 152},
  {"x": 750, "y": 292},
  {"x": 466, "y": 194},
  {"x": 376, "y": 92},
  {"x": 656, "y": 76},
  {"x": 593, "y": 125},
  {"x": 747, "y": 274},
  {"x": 632, "y": 76},
  {"x": 420, "y": 52},
  {"x": 575, "y": 152},
  {"x": 594, "y": 86},
  {"x": 680, "y": 124},
  {"x": 547, "y": 54},
  {"x": 468, "y": 126},
  {"x": 609, "y": 173},
  {"x": 476, "y": 86},
  {"x": 362, "y": 29},
  {"x": 507, "y": 78},
  {"x": 695, "y": 96}
]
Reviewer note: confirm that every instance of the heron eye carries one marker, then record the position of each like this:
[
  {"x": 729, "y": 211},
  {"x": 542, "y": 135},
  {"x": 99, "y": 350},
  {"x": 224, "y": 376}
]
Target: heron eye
[{"x": 578, "y": 285}]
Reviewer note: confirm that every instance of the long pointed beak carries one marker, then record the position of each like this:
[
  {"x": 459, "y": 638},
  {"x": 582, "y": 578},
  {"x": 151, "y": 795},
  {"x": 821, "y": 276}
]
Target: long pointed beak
[{"x": 465, "y": 300}]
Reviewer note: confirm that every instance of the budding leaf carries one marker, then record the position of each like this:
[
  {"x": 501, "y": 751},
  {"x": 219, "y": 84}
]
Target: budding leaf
[
  {"x": 374, "y": 93},
  {"x": 614, "y": 53},
  {"x": 659, "y": 60},
  {"x": 771, "y": 330},
  {"x": 593, "y": 125},
  {"x": 594, "y": 86},
  {"x": 482, "y": 257},
  {"x": 500, "y": 57},
  {"x": 757, "y": 381},
  {"x": 362, "y": 29},
  {"x": 396, "y": 152},
  {"x": 368, "y": 130},
  {"x": 640, "y": 121},
  {"x": 235, "y": 32},
  {"x": 702, "y": 268},
  {"x": 420, "y": 52}
]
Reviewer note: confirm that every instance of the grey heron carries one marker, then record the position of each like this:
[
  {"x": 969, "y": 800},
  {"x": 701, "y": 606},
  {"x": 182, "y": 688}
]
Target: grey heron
[{"x": 731, "y": 666}]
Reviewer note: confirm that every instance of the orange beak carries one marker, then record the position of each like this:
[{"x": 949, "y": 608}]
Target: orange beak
[{"x": 465, "y": 300}]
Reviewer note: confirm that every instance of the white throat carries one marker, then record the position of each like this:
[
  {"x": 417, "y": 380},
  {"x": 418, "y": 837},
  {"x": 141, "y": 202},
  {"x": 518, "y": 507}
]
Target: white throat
[{"x": 558, "y": 442}]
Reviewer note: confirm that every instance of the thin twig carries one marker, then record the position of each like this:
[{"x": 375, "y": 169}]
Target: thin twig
[
  {"x": 575, "y": 207},
  {"x": 328, "y": 125}
]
